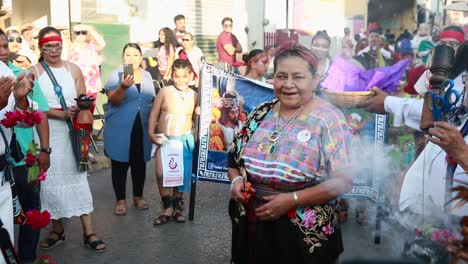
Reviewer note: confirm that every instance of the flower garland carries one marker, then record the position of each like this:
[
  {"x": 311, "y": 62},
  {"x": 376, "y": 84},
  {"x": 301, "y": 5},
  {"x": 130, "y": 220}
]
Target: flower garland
[{"x": 22, "y": 118}]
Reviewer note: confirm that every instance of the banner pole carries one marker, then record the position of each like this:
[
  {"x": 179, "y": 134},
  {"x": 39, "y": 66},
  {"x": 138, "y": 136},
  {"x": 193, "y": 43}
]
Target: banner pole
[{"x": 193, "y": 188}]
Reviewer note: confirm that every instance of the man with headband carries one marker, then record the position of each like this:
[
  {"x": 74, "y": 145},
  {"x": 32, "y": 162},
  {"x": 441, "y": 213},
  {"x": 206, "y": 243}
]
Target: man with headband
[
  {"x": 374, "y": 55},
  {"x": 408, "y": 111}
]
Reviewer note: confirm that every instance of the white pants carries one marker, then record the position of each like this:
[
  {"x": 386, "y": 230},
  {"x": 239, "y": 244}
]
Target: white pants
[{"x": 6, "y": 210}]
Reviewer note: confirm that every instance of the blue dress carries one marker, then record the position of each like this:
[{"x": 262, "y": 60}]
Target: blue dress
[{"x": 119, "y": 119}]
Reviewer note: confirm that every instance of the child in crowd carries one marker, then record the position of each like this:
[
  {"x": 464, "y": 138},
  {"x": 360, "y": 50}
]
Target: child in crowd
[{"x": 171, "y": 119}]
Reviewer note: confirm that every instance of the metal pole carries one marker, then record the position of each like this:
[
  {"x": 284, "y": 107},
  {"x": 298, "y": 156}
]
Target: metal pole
[
  {"x": 69, "y": 20},
  {"x": 287, "y": 16},
  {"x": 193, "y": 188}
]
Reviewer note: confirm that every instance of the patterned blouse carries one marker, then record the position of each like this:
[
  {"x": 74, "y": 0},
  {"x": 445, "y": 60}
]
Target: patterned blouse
[{"x": 312, "y": 146}]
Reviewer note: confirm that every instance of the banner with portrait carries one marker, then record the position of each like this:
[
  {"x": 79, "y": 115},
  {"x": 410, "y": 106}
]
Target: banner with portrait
[{"x": 226, "y": 100}]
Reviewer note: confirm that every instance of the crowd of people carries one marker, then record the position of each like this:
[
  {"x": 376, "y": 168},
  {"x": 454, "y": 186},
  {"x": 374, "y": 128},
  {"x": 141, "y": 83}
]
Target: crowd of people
[{"x": 289, "y": 161}]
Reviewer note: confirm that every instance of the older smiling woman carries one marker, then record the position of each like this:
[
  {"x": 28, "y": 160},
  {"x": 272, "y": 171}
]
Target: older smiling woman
[{"x": 294, "y": 152}]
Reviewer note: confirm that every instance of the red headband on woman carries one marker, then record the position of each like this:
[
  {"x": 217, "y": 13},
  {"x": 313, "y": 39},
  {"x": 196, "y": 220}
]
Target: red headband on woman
[
  {"x": 42, "y": 41},
  {"x": 304, "y": 52},
  {"x": 460, "y": 37}
]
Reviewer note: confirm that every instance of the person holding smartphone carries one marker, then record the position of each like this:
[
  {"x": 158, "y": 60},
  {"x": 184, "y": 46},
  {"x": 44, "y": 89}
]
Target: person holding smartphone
[{"x": 131, "y": 92}]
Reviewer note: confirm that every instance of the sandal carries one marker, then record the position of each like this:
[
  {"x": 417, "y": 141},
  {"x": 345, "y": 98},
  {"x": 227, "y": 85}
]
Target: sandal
[
  {"x": 178, "y": 203},
  {"x": 51, "y": 241},
  {"x": 162, "y": 219},
  {"x": 93, "y": 244},
  {"x": 179, "y": 217},
  {"x": 120, "y": 208},
  {"x": 140, "y": 204},
  {"x": 166, "y": 202}
]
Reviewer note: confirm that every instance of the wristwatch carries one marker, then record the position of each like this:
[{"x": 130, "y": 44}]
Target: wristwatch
[{"x": 46, "y": 150}]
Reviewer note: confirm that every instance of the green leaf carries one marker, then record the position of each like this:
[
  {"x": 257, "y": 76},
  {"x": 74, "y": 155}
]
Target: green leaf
[{"x": 33, "y": 173}]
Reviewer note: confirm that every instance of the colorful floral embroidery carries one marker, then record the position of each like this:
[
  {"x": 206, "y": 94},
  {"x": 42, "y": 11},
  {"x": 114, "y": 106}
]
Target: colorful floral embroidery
[{"x": 316, "y": 223}]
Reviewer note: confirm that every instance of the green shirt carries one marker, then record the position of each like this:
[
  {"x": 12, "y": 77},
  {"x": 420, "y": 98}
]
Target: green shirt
[{"x": 25, "y": 136}]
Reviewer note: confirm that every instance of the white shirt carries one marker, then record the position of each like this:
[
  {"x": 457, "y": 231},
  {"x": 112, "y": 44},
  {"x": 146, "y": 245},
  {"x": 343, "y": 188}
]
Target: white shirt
[
  {"x": 408, "y": 111},
  {"x": 426, "y": 177},
  {"x": 6, "y": 204}
]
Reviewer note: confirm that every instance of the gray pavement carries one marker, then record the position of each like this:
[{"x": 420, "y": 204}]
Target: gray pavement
[{"x": 133, "y": 238}]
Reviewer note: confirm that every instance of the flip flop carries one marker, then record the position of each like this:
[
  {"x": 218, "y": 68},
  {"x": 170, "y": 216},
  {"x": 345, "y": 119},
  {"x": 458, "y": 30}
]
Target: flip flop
[{"x": 120, "y": 208}]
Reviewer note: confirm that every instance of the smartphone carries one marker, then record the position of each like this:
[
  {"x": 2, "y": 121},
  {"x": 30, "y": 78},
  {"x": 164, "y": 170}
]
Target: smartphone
[{"x": 128, "y": 69}]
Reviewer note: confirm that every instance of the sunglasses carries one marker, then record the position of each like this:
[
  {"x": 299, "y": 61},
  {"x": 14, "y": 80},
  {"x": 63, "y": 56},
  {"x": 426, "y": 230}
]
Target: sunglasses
[
  {"x": 186, "y": 39},
  {"x": 81, "y": 32},
  {"x": 13, "y": 39}
]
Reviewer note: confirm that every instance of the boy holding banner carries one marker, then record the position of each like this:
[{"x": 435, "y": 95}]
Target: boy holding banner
[{"x": 170, "y": 127}]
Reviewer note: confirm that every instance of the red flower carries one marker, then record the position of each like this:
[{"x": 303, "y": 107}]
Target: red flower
[
  {"x": 21, "y": 116},
  {"x": 417, "y": 233},
  {"x": 30, "y": 159},
  {"x": 36, "y": 116},
  {"x": 36, "y": 219},
  {"x": 42, "y": 176},
  {"x": 45, "y": 260},
  {"x": 292, "y": 213}
]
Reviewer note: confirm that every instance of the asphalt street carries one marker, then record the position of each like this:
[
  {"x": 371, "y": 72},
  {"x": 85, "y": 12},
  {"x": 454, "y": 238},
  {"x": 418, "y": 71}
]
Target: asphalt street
[{"x": 133, "y": 238}]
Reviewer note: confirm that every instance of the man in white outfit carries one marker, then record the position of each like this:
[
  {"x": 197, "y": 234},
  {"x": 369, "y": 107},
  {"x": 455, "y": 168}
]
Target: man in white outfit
[{"x": 13, "y": 93}]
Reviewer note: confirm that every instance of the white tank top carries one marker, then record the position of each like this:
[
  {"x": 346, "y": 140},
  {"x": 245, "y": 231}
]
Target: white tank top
[{"x": 65, "y": 80}]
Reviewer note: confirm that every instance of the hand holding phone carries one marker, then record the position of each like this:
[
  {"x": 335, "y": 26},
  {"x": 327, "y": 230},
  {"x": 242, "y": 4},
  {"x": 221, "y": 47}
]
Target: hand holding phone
[
  {"x": 127, "y": 78},
  {"x": 128, "y": 69}
]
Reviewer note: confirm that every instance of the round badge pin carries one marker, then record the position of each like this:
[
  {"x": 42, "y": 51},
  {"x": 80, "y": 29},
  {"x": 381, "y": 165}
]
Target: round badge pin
[{"x": 303, "y": 136}]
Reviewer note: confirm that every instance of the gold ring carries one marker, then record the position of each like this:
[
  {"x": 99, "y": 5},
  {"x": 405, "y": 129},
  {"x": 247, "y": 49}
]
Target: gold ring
[{"x": 270, "y": 214}]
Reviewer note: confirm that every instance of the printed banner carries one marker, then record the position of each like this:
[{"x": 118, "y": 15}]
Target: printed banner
[
  {"x": 227, "y": 99},
  {"x": 369, "y": 161},
  {"x": 172, "y": 158}
]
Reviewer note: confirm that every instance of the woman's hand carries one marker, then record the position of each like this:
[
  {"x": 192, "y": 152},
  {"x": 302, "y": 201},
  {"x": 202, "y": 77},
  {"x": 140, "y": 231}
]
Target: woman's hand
[
  {"x": 449, "y": 139},
  {"x": 237, "y": 192},
  {"x": 23, "y": 85},
  {"x": 6, "y": 87},
  {"x": 128, "y": 81},
  {"x": 276, "y": 206},
  {"x": 44, "y": 161},
  {"x": 71, "y": 112},
  {"x": 456, "y": 248}
]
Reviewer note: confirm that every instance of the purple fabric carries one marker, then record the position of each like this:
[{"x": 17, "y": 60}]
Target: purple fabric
[{"x": 344, "y": 76}]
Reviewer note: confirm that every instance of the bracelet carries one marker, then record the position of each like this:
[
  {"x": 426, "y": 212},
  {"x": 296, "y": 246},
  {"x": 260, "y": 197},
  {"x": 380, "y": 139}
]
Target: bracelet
[
  {"x": 296, "y": 199},
  {"x": 236, "y": 179}
]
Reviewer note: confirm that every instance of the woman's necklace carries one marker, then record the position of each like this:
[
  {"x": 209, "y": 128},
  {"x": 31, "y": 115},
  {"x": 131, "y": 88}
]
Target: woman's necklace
[{"x": 277, "y": 133}]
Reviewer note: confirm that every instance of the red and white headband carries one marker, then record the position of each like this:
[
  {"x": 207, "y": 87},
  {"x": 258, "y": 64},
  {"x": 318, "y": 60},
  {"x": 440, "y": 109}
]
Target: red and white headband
[
  {"x": 45, "y": 40},
  {"x": 460, "y": 37}
]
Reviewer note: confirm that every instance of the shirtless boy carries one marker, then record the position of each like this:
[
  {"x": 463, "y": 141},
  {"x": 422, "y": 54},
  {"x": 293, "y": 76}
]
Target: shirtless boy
[{"x": 171, "y": 118}]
